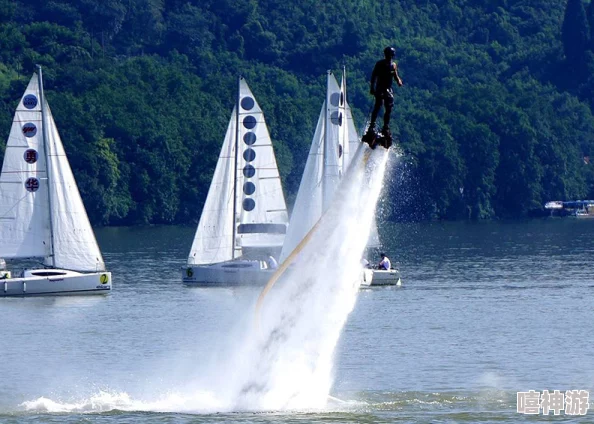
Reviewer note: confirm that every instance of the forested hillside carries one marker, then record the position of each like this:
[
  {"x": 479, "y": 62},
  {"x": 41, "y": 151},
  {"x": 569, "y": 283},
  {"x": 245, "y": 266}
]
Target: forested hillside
[{"x": 495, "y": 116}]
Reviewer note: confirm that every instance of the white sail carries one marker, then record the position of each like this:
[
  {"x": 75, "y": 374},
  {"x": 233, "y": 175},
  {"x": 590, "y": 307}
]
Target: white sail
[
  {"x": 252, "y": 190},
  {"x": 75, "y": 246},
  {"x": 41, "y": 212},
  {"x": 308, "y": 205},
  {"x": 352, "y": 141},
  {"x": 262, "y": 211},
  {"x": 324, "y": 168},
  {"x": 24, "y": 211},
  {"x": 334, "y": 144},
  {"x": 213, "y": 241},
  {"x": 351, "y": 138}
]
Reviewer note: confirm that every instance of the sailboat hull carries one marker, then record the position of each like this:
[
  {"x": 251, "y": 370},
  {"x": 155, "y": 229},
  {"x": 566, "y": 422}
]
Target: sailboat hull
[
  {"x": 230, "y": 273},
  {"x": 257, "y": 274},
  {"x": 380, "y": 277},
  {"x": 53, "y": 282}
]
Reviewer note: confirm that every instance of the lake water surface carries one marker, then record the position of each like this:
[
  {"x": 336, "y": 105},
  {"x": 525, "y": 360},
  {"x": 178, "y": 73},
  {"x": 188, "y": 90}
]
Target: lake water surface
[{"x": 485, "y": 310}]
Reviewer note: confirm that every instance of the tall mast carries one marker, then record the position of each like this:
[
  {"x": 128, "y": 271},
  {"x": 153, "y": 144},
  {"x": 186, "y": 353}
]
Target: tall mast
[
  {"x": 45, "y": 139},
  {"x": 325, "y": 148},
  {"x": 235, "y": 167},
  {"x": 345, "y": 126}
]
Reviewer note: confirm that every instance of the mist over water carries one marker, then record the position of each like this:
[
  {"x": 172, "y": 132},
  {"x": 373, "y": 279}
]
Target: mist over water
[{"x": 279, "y": 356}]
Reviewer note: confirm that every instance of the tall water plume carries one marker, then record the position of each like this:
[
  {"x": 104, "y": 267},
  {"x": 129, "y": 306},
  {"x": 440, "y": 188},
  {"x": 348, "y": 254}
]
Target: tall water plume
[{"x": 288, "y": 357}]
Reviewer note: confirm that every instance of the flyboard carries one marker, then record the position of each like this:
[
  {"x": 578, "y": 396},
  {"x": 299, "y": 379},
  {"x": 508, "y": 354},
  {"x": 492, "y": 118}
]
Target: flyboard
[
  {"x": 375, "y": 138},
  {"x": 363, "y": 151}
]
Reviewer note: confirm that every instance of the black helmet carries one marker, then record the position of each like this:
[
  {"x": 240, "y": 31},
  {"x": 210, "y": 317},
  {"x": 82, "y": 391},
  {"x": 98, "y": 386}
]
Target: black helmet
[{"x": 389, "y": 52}]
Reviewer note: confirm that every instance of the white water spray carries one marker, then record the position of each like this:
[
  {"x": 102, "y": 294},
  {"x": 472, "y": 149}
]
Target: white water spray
[
  {"x": 284, "y": 358},
  {"x": 291, "y": 348}
]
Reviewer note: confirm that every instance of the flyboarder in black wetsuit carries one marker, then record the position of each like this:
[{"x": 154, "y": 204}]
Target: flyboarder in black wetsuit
[{"x": 384, "y": 72}]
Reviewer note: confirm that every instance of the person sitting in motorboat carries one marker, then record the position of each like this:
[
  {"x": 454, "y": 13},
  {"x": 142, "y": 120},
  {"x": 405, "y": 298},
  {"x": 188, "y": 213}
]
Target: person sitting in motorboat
[
  {"x": 272, "y": 263},
  {"x": 384, "y": 264},
  {"x": 4, "y": 274}
]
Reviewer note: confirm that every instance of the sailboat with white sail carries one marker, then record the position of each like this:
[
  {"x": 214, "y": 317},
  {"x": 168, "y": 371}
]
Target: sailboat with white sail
[
  {"x": 244, "y": 219},
  {"x": 333, "y": 146},
  {"x": 42, "y": 215}
]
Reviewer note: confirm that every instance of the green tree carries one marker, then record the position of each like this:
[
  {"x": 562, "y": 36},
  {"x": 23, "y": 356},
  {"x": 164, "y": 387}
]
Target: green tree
[
  {"x": 519, "y": 171},
  {"x": 494, "y": 118}
]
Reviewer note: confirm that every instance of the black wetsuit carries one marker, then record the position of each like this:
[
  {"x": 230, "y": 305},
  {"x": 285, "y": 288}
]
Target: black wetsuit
[{"x": 381, "y": 84}]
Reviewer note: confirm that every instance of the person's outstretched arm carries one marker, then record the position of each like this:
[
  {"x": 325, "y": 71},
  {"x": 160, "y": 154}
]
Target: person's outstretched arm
[{"x": 396, "y": 76}]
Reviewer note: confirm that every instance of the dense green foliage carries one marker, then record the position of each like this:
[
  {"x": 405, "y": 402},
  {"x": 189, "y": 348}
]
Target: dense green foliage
[{"x": 495, "y": 116}]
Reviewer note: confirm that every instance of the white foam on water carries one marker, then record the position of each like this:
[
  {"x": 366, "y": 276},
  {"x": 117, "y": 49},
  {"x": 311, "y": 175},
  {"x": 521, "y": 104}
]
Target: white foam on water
[
  {"x": 281, "y": 357},
  {"x": 104, "y": 401}
]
